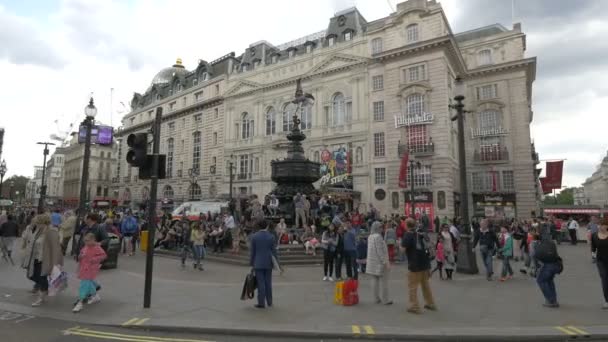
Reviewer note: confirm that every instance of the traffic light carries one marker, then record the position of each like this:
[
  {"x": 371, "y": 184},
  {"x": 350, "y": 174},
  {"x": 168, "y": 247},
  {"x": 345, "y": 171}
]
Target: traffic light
[{"x": 138, "y": 149}]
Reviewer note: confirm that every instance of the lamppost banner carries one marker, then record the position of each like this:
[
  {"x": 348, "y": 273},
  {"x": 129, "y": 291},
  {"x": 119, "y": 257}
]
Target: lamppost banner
[{"x": 553, "y": 179}]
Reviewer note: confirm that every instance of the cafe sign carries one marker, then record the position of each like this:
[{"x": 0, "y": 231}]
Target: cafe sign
[{"x": 402, "y": 120}]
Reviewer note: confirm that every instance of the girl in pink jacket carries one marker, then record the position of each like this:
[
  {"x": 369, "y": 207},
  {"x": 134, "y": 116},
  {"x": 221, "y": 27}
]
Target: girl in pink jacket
[
  {"x": 439, "y": 257},
  {"x": 90, "y": 258}
]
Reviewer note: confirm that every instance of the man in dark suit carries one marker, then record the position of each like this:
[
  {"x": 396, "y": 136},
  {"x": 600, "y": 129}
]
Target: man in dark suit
[{"x": 263, "y": 249}]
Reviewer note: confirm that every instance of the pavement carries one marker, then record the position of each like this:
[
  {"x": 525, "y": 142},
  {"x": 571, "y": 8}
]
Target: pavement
[{"x": 208, "y": 303}]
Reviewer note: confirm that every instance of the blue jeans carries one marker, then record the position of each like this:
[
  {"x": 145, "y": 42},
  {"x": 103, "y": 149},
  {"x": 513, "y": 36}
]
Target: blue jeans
[
  {"x": 486, "y": 257},
  {"x": 264, "y": 281},
  {"x": 506, "y": 266},
  {"x": 199, "y": 253},
  {"x": 546, "y": 282}
]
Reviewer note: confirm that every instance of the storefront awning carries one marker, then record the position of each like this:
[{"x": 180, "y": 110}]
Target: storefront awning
[{"x": 571, "y": 211}]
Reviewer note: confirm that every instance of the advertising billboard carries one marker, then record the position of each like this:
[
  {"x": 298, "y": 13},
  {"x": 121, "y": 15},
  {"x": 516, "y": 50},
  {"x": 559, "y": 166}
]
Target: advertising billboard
[
  {"x": 100, "y": 135},
  {"x": 336, "y": 166}
]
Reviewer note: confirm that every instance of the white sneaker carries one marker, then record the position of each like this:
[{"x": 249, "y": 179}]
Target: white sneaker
[
  {"x": 331, "y": 279},
  {"x": 325, "y": 279},
  {"x": 38, "y": 302},
  {"x": 94, "y": 299},
  {"x": 77, "y": 307}
]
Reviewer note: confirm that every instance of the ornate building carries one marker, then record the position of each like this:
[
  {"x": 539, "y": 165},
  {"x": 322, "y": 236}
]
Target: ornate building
[
  {"x": 382, "y": 88},
  {"x": 596, "y": 186}
]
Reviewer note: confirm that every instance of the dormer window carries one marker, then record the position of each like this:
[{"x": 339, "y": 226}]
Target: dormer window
[
  {"x": 348, "y": 35},
  {"x": 291, "y": 53},
  {"x": 244, "y": 67},
  {"x": 331, "y": 41},
  {"x": 485, "y": 57},
  {"x": 157, "y": 97},
  {"x": 195, "y": 81},
  {"x": 274, "y": 59},
  {"x": 179, "y": 87},
  {"x": 412, "y": 33},
  {"x": 309, "y": 48},
  {"x": 205, "y": 76}
]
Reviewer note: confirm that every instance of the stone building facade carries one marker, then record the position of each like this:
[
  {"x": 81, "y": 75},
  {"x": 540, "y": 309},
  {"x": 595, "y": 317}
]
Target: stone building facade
[
  {"x": 596, "y": 187},
  {"x": 382, "y": 88},
  {"x": 54, "y": 176}
]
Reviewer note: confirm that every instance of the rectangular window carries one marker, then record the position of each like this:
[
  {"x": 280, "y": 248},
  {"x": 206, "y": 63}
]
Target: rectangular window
[
  {"x": 348, "y": 36},
  {"x": 423, "y": 177},
  {"x": 217, "y": 89},
  {"x": 198, "y": 96},
  {"x": 216, "y": 113},
  {"x": 485, "y": 57},
  {"x": 412, "y": 33},
  {"x": 198, "y": 119},
  {"x": 171, "y": 127},
  {"x": 98, "y": 191},
  {"x": 378, "y": 82},
  {"x": 309, "y": 48},
  {"x": 331, "y": 41},
  {"x": 487, "y": 92},
  {"x": 172, "y": 106},
  {"x": 489, "y": 121},
  {"x": 243, "y": 166},
  {"x": 416, "y": 137},
  {"x": 196, "y": 151},
  {"x": 508, "y": 180},
  {"x": 150, "y": 114},
  {"x": 379, "y": 111},
  {"x": 214, "y": 138},
  {"x": 184, "y": 101},
  {"x": 416, "y": 73},
  {"x": 377, "y": 45},
  {"x": 379, "y": 149},
  {"x": 379, "y": 176},
  {"x": 486, "y": 181}
]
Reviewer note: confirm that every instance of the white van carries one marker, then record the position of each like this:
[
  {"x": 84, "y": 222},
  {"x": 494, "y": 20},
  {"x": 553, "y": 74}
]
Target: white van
[{"x": 193, "y": 210}]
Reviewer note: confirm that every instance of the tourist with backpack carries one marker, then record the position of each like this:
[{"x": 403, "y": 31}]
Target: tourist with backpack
[
  {"x": 419, "y": 251},
  {"x": 551, "y": 264},
  {"x": 128, "y": 229},
  {"x": 599, "y": 247},
  {"x": 488, "y": 245}
]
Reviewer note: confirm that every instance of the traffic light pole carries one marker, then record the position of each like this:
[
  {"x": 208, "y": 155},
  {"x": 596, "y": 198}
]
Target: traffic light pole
[{"x": 152, "y": 208}]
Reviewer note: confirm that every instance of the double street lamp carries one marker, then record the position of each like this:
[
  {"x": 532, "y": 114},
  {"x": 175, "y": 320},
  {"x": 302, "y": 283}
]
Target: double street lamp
[
  {"x": 89, "y": 111},
  {"x": 2, "y": 173},
  {"x": 466, "y": 255}
]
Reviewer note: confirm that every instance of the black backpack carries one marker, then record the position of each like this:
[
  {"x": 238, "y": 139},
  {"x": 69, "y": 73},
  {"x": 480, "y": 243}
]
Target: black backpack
[{"x": 546, "y": 251}]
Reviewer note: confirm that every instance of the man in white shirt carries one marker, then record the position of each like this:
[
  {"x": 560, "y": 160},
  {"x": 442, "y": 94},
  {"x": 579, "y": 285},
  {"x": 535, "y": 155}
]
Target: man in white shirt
[
  {"x": 273, "y": 206},
  {"x": 455, "y": 231},
  {"x": 229, "y": 222},
  {"x": 572, "y": 229}
]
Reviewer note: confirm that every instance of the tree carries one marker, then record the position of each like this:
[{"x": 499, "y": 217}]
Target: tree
[
  {"x": 19, "y": 184},
  {"x": 565, "y": 197}
]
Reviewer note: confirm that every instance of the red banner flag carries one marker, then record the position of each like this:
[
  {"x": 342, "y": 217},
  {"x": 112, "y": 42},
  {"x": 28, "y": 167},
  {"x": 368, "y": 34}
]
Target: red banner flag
[
  {"x": 553, "y": 180},
  {"x": 403, "y": 170},
  {"x": 544, "y": 186}
]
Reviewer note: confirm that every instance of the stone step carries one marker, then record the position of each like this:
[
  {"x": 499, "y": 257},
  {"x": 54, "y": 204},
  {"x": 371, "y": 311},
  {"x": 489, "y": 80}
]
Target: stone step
[{"x": 242, "y": 259}]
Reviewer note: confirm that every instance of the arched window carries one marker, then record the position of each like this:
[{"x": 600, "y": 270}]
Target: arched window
[
  {"x": 414, "y": 104},
  {"x": 306, "y": 117},
  {"x": 288, "y": 111},
  {"x": 194, "y": 192},
  {"x": 412, "y": 33},
  {"x": 168, "y": 192},
  {"x": 339, "y": 110},
  {"x": 196, "y": 151},
  {"x": 170, "y": 150},
  {"x": 246, "y": 126},
  {"x": 271, "y": 121},
  {"x": 489, "y": 121},
  {"x": 485, "y": 57},
  {"x": 376, "y": 45}
]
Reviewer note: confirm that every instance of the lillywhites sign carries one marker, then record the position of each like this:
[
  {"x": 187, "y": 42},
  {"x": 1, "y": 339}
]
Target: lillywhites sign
[
  {"x": 408, "y": 120},
  {"x": 328, "y": 179}
]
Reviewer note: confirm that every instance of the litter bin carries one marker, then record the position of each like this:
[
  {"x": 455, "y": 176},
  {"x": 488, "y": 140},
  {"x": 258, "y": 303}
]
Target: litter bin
[
  {"x": 143, "y": 240},
  {"x": 112, "y": 251}
]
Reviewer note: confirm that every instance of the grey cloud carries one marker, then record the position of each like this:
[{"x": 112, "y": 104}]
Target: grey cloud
[{"x": 22, "y": 43}]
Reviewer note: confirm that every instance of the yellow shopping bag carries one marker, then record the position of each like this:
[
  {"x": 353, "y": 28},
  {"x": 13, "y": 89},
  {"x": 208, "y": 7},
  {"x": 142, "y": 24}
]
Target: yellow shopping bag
[{"x": 339, "y": 293}]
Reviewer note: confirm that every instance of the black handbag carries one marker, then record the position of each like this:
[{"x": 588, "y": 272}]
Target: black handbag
[{"x": 249, "y": 286}]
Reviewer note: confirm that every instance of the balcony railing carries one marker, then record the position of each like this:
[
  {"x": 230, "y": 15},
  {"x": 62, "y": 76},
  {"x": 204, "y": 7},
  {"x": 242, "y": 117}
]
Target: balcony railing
[
  {"x": 426, "y": 149},
  {"x": 403, "y": 119},
  {"x": 488, "y": 132},
  {"x": 243, "y": 176},
  {"x": 491, "y": 154}
]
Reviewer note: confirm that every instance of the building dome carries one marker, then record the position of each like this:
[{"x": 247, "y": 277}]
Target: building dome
[{"x": 166, "y": 75}]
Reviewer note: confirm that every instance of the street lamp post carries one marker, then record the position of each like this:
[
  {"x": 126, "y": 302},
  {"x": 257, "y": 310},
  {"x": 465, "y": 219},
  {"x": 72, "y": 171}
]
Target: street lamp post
[
  {"x": 2, "y": 173},
  {"x": 43, "y": 186},
  {"x": 413, "y": 164},
  {"x": 10, "y": 190},
  {"x": 90, "y": 111},
  {"x": 231, "y": 175},
  {"x": 466, "y": 255}
]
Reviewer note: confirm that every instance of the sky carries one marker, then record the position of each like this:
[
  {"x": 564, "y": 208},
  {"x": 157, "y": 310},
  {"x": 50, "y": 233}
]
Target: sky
[{"x": 55, "y": 53}]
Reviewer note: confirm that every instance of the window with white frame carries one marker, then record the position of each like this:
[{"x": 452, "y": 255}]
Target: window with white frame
[
  {"x": 485, "y": 57},
  {"x": 170, "y": 151},
  {"x": 306, "y": 117},
  {"x": 198, "y": 119},
  {"x": 243, "y": 166},
  {"x": 489, "y": 120},
  {"x": 378, "y": 110},
  {"x": 376, "y": 45},
  {"x": 168, "y": 192},
  {"x": 379, "y": 148},
  {"x": 205, "y": 76},
  {"x": 379, "y": 176},
  {"x": 339, "y": 110},
  {"x": 196, "y": 151},
  {"x": 422, "y": 176},
  {"x": 271, "y": 121},
  {"x": 348, "y": 35},
  {"x": 412, "y": 33},
  {"x": 414, "y": 105},
  {"x": 194, "y": 191},
  {"x": 288, "y": 110},
  {"x": 486, "y": 92},
  {"x": 246, "y": 126},
  {"x": 416, "y": 73},
  {"x": 378, "y": 82},
  {"x": 508, "y": 180},
  {"x": 416, "y": 136}
]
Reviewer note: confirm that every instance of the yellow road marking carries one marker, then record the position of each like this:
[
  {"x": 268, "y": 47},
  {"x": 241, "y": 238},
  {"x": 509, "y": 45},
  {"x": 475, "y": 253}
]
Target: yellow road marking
[
  {"x": 125, "y": 337},
  {"x": 141, "y": 321},
  {"x": 577, "y": 330},
  {"x": 566, "y": 331},
  {"x": 356, "y": 330},
  {"x": 369, "y": 330},
  {"x": 131, "y": 321}
]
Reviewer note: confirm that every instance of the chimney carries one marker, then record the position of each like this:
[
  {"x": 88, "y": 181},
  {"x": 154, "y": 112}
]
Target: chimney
[{"x": 517, "y": 27}]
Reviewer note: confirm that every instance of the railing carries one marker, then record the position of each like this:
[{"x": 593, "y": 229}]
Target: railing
[
  {"x": 418, "y": 150},
  {"x": 488, "y": 132},
  {"x": 243, "y": 176},
  {"x": 491, "y": 154},
  {"x": 127, "y": 179},
  {"x": 403, "y": 119}
]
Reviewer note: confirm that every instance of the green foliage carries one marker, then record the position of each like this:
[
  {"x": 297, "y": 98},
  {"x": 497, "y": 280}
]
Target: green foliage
[
  {"x": 565, "y": 197},
  {"x": 19, "y": 184}
]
